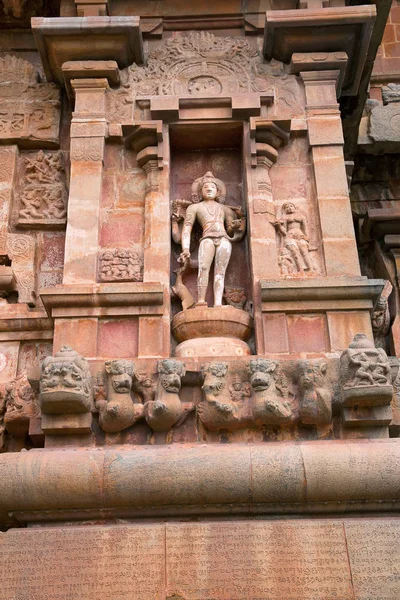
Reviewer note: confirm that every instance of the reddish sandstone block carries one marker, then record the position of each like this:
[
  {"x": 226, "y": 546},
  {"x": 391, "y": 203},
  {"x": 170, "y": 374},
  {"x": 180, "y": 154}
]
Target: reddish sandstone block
[
  {"x": 275, "y": 333},
  {"x": 343, "y": 326},
  {"x": 80, "y": 334},
  {"x": 131, "y": 189},
  {"x": 307, "y": 333},
  {"x": 389, "y": 34},
  {"x": 392, "y": 50},
  {"x": 121, "y": 229},
  {"x": 118, "y": 339},
  {"x": 51, "y": 251}
]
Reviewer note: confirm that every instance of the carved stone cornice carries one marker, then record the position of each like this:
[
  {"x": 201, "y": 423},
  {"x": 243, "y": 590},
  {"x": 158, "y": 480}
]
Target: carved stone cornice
[
  {"x": 67, "y": 39},
  {"x": 338, "y": 29}
]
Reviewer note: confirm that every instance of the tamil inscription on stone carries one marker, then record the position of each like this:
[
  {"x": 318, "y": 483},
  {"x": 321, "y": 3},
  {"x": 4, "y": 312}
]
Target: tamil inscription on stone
[
  {"x": 258, "y": 561},
  {"x": 374, "y": 552},
  {"x": 106, "y": 563}
]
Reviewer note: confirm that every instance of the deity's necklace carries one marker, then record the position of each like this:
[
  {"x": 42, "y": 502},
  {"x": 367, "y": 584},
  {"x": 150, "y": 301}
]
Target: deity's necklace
[{"x": 213, "y": 212}]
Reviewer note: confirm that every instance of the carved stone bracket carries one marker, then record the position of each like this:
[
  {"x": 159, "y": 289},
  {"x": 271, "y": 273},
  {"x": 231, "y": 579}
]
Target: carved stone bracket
[{"x": 146, "y": 138}]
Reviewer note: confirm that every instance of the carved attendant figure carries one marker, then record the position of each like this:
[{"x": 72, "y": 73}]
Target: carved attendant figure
[
  {"x": 293, "y": 229},
  {"x": 220, "y": 228}
]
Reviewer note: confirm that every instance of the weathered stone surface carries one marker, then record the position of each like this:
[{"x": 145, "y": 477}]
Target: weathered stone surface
[
  {"x": 272, "y": 561},
  {"x": 108, "y": 563}
]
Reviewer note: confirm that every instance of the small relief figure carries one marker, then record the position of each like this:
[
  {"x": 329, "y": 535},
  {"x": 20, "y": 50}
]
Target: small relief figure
[
  {"x": 166, "y": 409},
  {"x": 381, "y": 317},
  {"x": 219, "y": 410},
  {"x": 221, "y": 225},
  {"x": 19, "y": 406},
  {"x": 38, "y": 169},
  {"x": 292, "y": 228},
  {"x": 55, "y": 204},
  {"x": 65, "y": 383},
  {"x": 286, "y": 262},
  {"x": 316, "y": 397},
  {"x": 31, "y": 205},
  {"x": 179, "y": 288},
  {"x": 267, "y": 407},
  {"x": 119, "y": 410},
  {"x": 145, "y": 386},
  {"x": 239, "y": 390},
  {"x": 365, "y": 374},
  {"x": 235, "y": 296}
]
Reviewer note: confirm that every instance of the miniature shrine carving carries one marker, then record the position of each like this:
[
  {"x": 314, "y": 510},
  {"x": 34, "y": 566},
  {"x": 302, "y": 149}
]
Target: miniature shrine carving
[
  {"x": 166, "y": 409},
  {"x": 119, "y": 410},
  {"x": 365, "y": 374},
  {"x": 44, "y": 195},
  {"x": 316, "y": 397},
  {"x": 220, "y": 226},
  {"x": 294, "y": 254},
  {"x": 267, "y": 405},
  {"x": 120, "y": 265}
]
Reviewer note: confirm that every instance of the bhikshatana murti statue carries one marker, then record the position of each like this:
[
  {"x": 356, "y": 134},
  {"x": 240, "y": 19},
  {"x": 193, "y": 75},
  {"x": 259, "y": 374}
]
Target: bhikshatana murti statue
[{"x": 221, "y": 225}]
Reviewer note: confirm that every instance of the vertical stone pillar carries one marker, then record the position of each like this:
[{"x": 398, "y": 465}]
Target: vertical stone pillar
[
  {"x": 150, "y": 141},
  {"x": 88, "y": 131},
  {"x": 8, "y": 167},
  {"x": 326, "y": 141},
  {"x": 261, "y": 211}
]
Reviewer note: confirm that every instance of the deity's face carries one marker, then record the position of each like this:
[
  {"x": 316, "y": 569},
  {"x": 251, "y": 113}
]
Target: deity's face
[
  {"x": 209, "y": 191},
  {"x": 289, "y": 208}
]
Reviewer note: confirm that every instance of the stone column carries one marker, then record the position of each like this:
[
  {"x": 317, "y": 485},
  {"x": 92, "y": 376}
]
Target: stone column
[
  {"x": 326, "y": 141},
  {"x": 150, "y": 141},
  {"x": 8, "y": 168},
  {"x": 261, "y": 211},
  {"x": 88, "y": 131}
]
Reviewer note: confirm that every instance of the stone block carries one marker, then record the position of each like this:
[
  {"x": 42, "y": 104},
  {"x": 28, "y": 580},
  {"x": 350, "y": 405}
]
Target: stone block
[
  {"x": 344, "y": 325},
  {"x": 307, "y": 333},
  {"x": 74, "y": 424},
  {"x": 385, "y": 124},
  {"x": 118, "y": 338}
]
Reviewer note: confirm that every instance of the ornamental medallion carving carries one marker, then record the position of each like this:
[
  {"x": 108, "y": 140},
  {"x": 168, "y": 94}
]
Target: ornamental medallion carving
[{"x": 199, "y": 64}]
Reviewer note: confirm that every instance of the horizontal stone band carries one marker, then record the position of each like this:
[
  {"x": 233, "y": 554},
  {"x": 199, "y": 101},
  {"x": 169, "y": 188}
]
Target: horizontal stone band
[{"x": 275, "y": 478}]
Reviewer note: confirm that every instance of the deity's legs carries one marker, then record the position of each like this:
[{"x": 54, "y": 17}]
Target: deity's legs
[
  {"x": 222, "y": 256},
  {"x": 206, "y": 256}
]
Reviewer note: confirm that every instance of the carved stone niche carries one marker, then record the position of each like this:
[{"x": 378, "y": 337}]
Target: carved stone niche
[
  {"x": 66, "y": 395},
  {"x": 120, "y": 408},
  {"x": 29, "y": 111}
]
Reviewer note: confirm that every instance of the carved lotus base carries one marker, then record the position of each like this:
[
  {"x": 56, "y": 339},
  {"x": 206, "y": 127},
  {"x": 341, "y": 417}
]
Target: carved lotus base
[
  {"x": 368, "y": 395},
  {"x": 217, "y": 331}
]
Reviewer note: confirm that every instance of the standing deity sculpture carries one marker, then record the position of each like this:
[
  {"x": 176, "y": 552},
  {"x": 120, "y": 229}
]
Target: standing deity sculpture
[
  {"x": 220, "y": 227},
  {"x": 294, "y": 254}
]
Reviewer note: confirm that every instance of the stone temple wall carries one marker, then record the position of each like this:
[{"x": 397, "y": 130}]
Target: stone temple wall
[{"x": 199, "y": 300}]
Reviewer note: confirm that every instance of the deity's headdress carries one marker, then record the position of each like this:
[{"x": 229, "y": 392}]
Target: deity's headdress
[{"x": 200, "y": 181}]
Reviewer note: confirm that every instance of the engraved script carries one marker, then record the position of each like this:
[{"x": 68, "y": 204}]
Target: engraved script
[
  {"x": 263, "y": 561},
  {"x": 107, "y": 563},
  {"x": 374, "y": 551}
]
